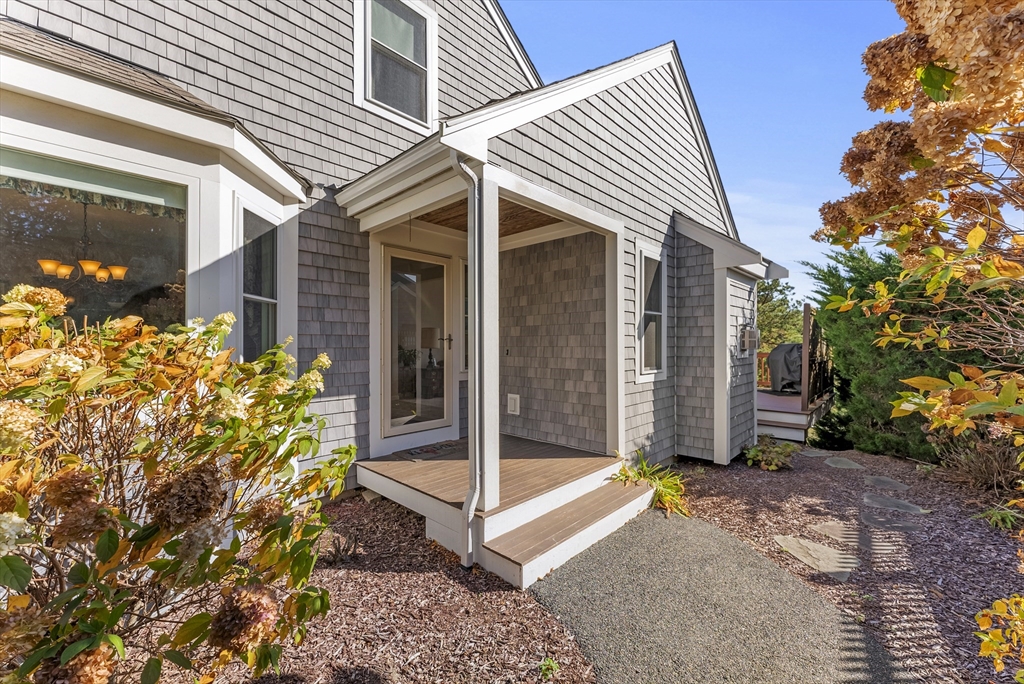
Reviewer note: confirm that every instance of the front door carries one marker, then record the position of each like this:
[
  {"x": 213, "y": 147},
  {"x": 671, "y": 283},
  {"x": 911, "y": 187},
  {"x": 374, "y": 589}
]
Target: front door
[{"x": 417, "y": 345}]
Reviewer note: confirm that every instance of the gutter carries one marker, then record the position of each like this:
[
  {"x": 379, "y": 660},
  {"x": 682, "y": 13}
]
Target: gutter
[{"x": 473, "y": 228}]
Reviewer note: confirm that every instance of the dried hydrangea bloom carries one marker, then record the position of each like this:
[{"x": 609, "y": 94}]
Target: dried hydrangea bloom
[
  {"x": 17, "y": 293},
  {"x": 12, "y": 526},
  {"x": 196, "y": 540},
  {"x": 20, "y": 630},
  {"x": 17, "y": 425},
  {"x": 230, "y": 406},
  {"x": 183, "y": 499},
  {"x": 52, "y": 301},
  {"x": 94, "y": 666},
  {"x": 71, "y": 488},
  {"x": 279, "y": 386},
  {"x": 83, "y": 523},
  {"x": 263, "y": 513},
  {"x": 892, "y": 63},
  {"x": 61, "y": 363},
  {"x": 247, "y": 618}
]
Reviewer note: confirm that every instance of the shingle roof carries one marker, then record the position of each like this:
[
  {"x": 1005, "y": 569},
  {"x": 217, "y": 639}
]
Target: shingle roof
[{"x": 66, "y": 55}]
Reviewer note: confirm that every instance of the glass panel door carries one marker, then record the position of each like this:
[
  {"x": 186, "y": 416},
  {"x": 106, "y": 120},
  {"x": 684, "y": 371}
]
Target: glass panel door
[{"x": 417, "y": 344}]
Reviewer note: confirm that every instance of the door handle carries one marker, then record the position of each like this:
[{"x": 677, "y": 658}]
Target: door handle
[{"x": 449, "y": 339}]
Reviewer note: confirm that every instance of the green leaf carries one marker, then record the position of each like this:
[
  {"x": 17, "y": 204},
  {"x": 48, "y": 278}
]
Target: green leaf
[
  {"x": 1008, "y": 395},
  {"x": 151, "y": 671},
  {"x": 178, "y": 658},
  {"x": 106, "y": 545},
  {"x": 37, "y": 657},
  {"x": 924, "y": 382},
  {"x": 89, "y": 378},
  {"x": 116, "y": 642},
  {"x": 75, "y": 648},
  {"x": 192, "y": 628},
  {"x": 15, "y": 573}
]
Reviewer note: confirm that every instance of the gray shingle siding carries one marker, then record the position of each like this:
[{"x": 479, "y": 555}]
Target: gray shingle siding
[
  {"x": 631, "y": 152},
  {"x": 742, "y": 365},
  {"x": 695, "y": 351},
  {"x": 552, "y": 324},
  {"x": 285, "y": 70}
]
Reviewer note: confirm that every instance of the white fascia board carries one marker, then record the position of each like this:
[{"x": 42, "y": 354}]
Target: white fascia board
[
  {"x": 555, "y": 231},
  {"x": 522, "y": 191},
  {"x": 413, "y": 202},
  {"x": 470, "y": 132},
  {"x": 728, "y": 252},
  {"x": 52, "y": 85},
  {"x": 378, "y": 182},
  {"x": 690, "y": 104},
  {"x": 775, "y": 271},
  {"x": 514, "y": 46}
]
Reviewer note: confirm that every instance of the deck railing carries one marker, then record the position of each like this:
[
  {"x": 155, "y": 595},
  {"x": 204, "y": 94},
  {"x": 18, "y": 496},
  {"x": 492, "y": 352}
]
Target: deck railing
[{"x": 816, "y": 375}]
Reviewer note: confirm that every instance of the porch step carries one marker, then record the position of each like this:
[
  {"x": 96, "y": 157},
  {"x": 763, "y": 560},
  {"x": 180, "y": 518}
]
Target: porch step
[{"x": 531, "y": 551}]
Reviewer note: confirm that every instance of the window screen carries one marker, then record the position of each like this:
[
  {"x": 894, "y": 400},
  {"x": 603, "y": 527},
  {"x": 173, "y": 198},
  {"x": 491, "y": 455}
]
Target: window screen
[
  {"x": 259, "y": 285},
  {"x": 651, "y": 353},
  {"x": 398, "y": 58}
]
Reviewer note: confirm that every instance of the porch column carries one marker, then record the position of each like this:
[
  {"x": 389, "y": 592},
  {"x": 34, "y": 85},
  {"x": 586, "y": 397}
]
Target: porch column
[{"x": 483, "y": 305}]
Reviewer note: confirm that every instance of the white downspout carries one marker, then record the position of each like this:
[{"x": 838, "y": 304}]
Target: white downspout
[{"x": 475, "y": 223}]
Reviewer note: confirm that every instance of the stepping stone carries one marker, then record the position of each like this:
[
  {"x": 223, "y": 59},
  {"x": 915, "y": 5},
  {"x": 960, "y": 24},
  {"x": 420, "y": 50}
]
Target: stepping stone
[
  {"x": 872, "y": 519},
  {"x": 837, "y": 564},
  {"x": 370, "y": 496},
  {"x": 883, "y": 482},
  {"x": 887, "y": 502},
  {"x": 860, "y": 539},
  {"x": 844, "y": 463},
  {"x": 815, "y": 453}
]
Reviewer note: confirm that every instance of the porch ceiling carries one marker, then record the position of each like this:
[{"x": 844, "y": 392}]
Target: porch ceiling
[{"x": 513, "y": 218}]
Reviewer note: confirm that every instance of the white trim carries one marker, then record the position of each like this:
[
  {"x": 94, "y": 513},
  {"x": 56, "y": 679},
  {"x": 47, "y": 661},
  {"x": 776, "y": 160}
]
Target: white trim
[
  {"x": 388, "y": 430},
  {"x": 405, "y": 170},
  {"x": 470, "y": 132},
  {"x": 514, "y": 46},
  {"x": 555, "y": 231},
  {"x": 52, "y": 85},
  {"x": 361, "y": 67},
  {"x": 534, "y": 196},
  {"x": 417, "y": 200},
  {"x": 722, "y": 389},
  {"x": 615, "y": 341},
  {"x": 659, "y": 254}
]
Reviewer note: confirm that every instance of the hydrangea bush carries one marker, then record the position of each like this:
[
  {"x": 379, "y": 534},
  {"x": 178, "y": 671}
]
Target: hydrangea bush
[{"x": 151, "y": 515}]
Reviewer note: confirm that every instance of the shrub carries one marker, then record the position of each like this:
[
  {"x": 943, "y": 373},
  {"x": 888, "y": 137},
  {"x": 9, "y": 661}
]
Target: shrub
[
  {"x": 1002, "y": 633},
  {"x": 150, "y": 514},
  {"x": 831, "y": 430},
  {"x": 771, "y": 454},
  {"x": 668, "y": 485},
  {"x": 980, "y": 461}
]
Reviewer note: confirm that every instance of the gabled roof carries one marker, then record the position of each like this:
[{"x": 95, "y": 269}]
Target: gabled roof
[
  {"x": 39, "y": 46},
  {"x": 470, "y": 133},
  {"x": 514, "y": 45}
]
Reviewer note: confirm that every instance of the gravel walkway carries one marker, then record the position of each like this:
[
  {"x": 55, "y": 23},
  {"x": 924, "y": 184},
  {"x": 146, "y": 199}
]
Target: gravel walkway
[{"x": 679, "y": 601}]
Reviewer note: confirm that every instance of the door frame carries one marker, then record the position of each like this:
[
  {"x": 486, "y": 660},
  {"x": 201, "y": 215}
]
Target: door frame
[{"x": 445, "y": 262}]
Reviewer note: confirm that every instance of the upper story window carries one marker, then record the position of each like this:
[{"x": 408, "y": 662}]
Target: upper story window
[
  {"x": 651, "y": 299},
  {"x": 396, "y": 61}
]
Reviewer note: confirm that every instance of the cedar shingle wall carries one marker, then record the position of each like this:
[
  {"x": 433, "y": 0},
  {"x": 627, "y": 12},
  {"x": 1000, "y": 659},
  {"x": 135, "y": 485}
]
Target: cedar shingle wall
[
  {"x": 285, "y": 70},
  {"x": 552, "y": 322},
  {"x": 629, "y": 152},
  {"x": 742, "y": 368},
  {"x": 695, "y": 351}
]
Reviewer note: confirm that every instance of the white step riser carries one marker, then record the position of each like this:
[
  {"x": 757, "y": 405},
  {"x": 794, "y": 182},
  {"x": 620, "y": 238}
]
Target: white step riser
[
  {"x": 794, "y": 419},
  {"x": 542, "y": 565},
  {"x": 789, "y": 434},
  {"x": 508, "y": 520},
  {"x": 427, "y": 506}
]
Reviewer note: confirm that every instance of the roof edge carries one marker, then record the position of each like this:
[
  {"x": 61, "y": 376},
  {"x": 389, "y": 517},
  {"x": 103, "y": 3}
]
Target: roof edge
[{"x": 519, "y": 52}]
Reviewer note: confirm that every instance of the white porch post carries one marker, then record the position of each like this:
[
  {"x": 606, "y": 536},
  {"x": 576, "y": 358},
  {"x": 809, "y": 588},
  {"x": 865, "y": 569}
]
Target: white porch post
[{"x": 483, "y": 297}]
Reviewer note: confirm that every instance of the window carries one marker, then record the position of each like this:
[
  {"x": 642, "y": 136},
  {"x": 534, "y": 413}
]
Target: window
[
  {"x": 395, "y": 71},
  {"x": 651, "y": 333},
  {"x": 113, "y": 243},
  {"x": 259, "y": 285}
]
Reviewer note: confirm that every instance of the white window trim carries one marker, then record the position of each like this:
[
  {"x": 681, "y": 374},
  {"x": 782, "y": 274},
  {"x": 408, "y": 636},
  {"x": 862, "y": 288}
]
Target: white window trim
[
  {"x": 461, "y": 326},
  {"x": 361, "y": 67},
  {"x": 241, "y": 206},
  {"x": 648, "y": 250}
]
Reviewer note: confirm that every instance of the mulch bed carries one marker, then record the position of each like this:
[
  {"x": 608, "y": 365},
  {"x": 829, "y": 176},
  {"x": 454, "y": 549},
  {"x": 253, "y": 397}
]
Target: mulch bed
[
  {"x": 404, "y": 610},
  {"x": 918, "y": 601}
]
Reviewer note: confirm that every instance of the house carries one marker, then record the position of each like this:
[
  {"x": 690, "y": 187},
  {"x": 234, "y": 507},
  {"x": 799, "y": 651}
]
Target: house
[{"x": 516, "y": 281}]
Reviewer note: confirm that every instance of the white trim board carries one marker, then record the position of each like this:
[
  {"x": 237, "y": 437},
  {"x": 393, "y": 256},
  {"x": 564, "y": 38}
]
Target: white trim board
[
  {"x": 52, "y": 85},
  {"x": 508, "y": 34}
]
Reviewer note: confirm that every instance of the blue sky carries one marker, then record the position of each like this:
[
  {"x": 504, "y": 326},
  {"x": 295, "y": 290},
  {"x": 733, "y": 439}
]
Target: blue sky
[{"x": 778, "y": 85}]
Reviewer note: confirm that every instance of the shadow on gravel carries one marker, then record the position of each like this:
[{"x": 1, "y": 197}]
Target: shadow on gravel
[
  {"x": 679, "y": 601},
  {"x": 334, "y": 675}
]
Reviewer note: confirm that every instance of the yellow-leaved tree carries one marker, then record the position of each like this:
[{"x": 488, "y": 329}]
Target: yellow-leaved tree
[{"x": 944, "y": 188}]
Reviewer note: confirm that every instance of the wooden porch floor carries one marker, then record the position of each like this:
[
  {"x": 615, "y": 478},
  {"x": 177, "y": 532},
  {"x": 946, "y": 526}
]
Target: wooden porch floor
[{"x": 527, "y": 469}]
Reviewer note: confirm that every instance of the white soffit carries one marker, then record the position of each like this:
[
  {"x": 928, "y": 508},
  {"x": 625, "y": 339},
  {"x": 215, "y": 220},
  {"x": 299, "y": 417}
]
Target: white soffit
[{"x": 60, "y": 87}]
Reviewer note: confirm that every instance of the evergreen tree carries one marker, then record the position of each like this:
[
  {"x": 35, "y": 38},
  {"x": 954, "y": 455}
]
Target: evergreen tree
[{"x": 780, "y": 317}]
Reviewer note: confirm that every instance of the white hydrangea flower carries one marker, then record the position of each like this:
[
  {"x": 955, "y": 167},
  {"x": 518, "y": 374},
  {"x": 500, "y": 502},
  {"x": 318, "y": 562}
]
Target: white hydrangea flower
[
  {"x": 62, "y": 363},
  {"x": 17, "y": 425},
  {"x": 17, "y": 293},
  {"x": 222, "y": 322},
  {"x": 12, "y": 526},
  {"x": 231, "y": 406},
  {"x": 321, "y": 362},
  {"x": 311, "y": 380}
]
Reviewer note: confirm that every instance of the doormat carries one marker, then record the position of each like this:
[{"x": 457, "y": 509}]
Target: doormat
[{"x": 428, "y": 452}]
